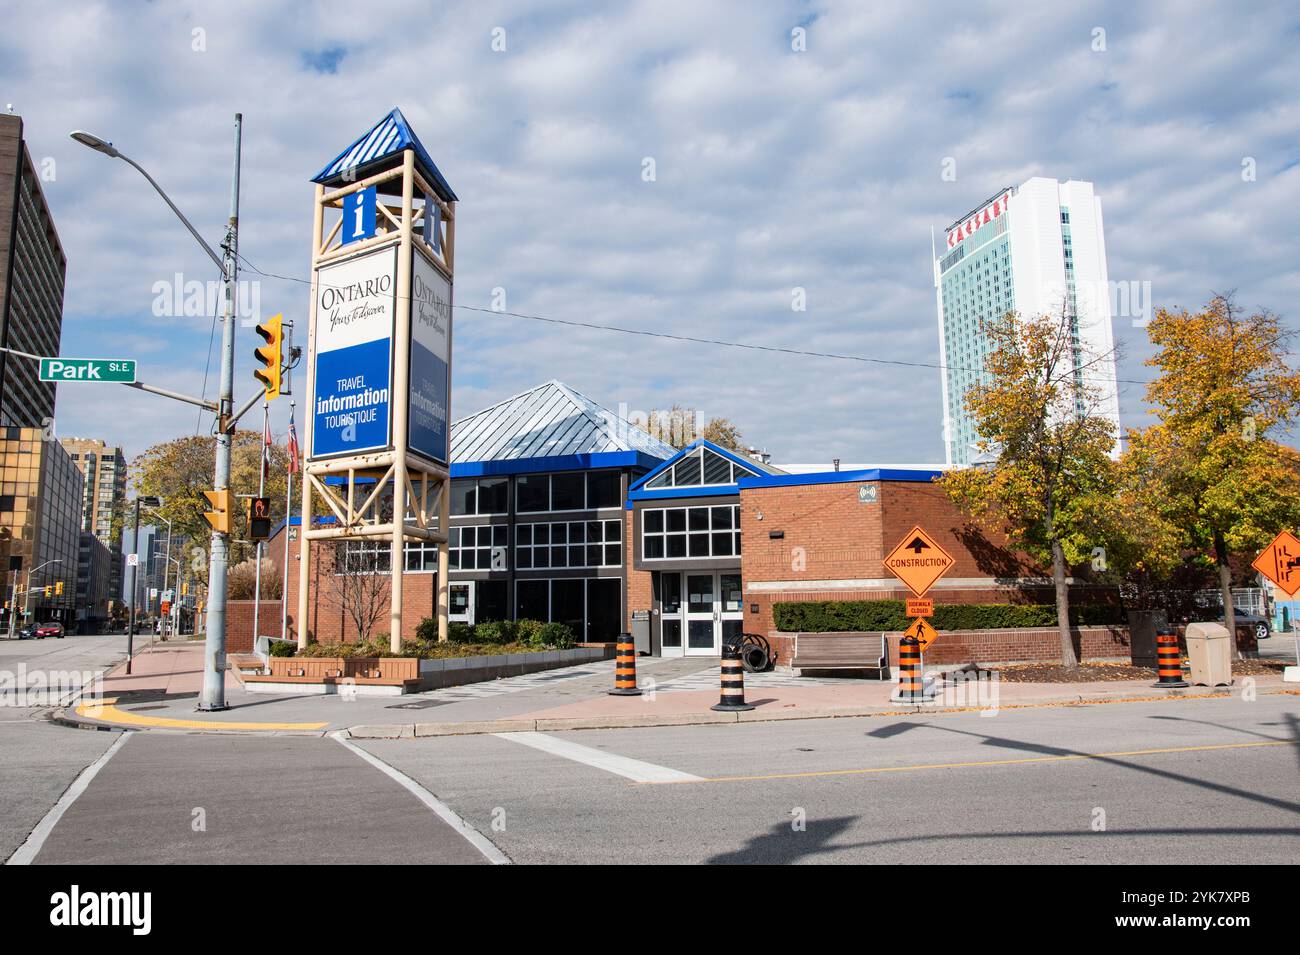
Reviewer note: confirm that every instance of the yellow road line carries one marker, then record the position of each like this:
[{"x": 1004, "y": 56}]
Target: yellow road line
[
  {"x": 987, "y": 762},
  {"x": 106, "y": 711}
]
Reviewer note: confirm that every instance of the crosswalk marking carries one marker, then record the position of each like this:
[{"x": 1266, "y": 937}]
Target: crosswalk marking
[{"x": 633, "y": 769}]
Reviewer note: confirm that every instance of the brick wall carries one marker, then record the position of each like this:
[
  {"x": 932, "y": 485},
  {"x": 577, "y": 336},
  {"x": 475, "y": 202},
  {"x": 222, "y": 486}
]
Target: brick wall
[
  {"x": 829, "y": 535},
  {"x": 327, "y": 621},
  {"x": 239, "y": 623},
  {"x": 640, "y": 586}
]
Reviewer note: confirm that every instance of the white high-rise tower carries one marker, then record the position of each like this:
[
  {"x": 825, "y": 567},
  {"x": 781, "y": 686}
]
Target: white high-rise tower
[{"x": 1031, "y": 249}]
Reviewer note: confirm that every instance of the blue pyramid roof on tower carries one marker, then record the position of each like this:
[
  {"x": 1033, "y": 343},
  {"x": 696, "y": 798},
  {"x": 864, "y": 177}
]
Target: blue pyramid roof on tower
[{"x": 386, "y": 138}]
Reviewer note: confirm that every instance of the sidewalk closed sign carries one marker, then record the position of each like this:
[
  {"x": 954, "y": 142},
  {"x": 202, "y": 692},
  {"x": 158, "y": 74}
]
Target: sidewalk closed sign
[{"x": 355, "y": 309}]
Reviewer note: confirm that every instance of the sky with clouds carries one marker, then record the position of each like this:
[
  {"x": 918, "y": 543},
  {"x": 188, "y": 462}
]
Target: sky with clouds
[{"x": 775, "y": 168}]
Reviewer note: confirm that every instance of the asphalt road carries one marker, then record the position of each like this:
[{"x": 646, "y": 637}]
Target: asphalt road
[
  {"x": 1172, "y": 782},
  {"x": 67, "y": 661}
]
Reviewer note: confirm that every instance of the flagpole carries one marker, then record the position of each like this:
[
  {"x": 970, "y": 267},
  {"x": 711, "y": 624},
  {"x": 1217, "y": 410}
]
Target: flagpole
[
  {"x": 261, "y": 492},
  {"x": 288, "y": 513}
]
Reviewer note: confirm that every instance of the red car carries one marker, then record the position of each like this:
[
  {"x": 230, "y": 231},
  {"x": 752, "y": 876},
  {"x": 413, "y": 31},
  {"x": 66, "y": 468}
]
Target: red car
[{"x": 51, "y": 629}]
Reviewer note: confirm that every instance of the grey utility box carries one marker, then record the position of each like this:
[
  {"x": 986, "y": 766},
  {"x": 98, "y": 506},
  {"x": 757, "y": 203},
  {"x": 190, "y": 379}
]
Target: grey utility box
[
  {"x": 1143, "y": 625},
  {"x": 1210, "y": 654},
  {"x": 641, "y": 630}
]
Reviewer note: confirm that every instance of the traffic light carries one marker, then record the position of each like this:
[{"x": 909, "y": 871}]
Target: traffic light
[
  {"x": 259, "y": 518},
  {"x": 219, "y": 516},
  {"x": 269, "y": 356},
  {"x": 48, "y": 590},
  {"x": 58, "y": 589}
]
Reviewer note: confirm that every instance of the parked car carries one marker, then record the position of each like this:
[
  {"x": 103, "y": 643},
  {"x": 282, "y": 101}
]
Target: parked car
[
  {"x": 1244, "y": 619},
  {"x": 26, "y": 633},
  {"x": 51, "y": 629}
]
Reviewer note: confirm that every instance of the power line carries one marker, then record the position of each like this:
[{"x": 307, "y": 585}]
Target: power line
[{"x": 667, "y": 336}]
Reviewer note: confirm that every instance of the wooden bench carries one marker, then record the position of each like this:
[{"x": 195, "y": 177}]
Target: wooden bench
[{"x": 841, "y": 651}]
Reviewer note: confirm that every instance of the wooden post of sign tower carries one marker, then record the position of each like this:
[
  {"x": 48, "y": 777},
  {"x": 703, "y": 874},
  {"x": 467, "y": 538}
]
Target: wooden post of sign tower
[{"x": 395, "y": 493}]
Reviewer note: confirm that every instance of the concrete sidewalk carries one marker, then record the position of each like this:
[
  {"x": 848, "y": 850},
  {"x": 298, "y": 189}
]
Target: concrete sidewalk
[{"x": 162, "y": 694}]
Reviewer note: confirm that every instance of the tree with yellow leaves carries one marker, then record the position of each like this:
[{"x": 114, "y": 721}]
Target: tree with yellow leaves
[
  {"x": 1225, "y": 388},
  {"x": 1037, "y": 411},
  {"x": 180, "y": 470}
]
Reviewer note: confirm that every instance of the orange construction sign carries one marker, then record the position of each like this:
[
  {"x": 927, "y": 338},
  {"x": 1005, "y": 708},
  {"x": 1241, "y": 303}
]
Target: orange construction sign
[
  {"x": 1280, "y": 563},
  {"x": 918, "y": 561},
  {"x": 922, "y": 632},
  {"x": 920, "y": 607}
]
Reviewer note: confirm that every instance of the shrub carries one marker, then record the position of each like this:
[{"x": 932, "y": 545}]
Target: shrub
[
  {"x": 555, "y": 635},
  {"x": 529, "y": 632},
  {"x": 495, "y": 631},
  {"x": 831, "y": 616},
  {"x": 282, "y": 648}
]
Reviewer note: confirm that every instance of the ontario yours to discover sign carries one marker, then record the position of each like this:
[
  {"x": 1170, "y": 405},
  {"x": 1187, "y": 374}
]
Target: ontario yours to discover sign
[{"x": 355, "y": 308}]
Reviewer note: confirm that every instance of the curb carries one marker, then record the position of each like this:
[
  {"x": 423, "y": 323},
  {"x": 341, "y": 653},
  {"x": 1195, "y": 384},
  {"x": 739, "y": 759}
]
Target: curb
[{"x": 414, "y": 730}]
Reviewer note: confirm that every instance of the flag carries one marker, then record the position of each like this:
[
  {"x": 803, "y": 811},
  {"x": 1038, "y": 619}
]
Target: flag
[
  {"x": 266, "y": 443},
  {"x": 293, "y": 446}
]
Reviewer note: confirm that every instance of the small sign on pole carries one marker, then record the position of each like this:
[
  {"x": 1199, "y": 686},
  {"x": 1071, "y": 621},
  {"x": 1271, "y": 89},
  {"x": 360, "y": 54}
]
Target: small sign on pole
[
  {"x": 920, "y": 607},
  {"x": 88, "y": 369}
]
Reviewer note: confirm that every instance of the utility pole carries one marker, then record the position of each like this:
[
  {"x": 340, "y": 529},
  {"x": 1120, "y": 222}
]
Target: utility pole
[
  {"x": 214, "y": 652},
  {"x": 135, "y": 597}
]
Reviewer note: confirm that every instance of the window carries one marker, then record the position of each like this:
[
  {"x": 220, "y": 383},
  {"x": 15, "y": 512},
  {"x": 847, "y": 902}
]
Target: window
[
  {"x": 702, "y": 467},
  {"x": 365, "y": 557},
  {"x": 482, "y": 496},
  {"x": 481, "y": 547},
  {"x": 568, "y": 491},
  {"x": 534, "y": 492},
  {"x": 569, "y": 544},
  {"x": 676, "y": 532}
]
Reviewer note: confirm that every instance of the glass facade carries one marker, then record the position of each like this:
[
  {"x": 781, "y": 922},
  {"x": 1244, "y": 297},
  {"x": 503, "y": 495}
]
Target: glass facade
[
  {"x": 40, "y": 524},
  {"x": 976, "y": 288}
]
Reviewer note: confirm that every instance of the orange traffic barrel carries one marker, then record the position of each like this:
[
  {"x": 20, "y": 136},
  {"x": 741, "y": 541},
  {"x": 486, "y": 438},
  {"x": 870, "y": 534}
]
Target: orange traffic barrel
[
  {"x": 911, "y": 688},
  {"x": 732, "y": 699},
  {"x": 1169, "y": 661},
  {"x": 625, "y": 667}
]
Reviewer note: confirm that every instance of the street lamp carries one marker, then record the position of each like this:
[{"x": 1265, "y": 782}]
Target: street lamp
[
  {"x": 150, "y": 502},
  {"x": 214, "y": 653}
]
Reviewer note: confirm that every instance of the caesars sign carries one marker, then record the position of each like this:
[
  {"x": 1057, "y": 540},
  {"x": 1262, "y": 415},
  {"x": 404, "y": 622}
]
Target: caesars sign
[
  {"x": 992, "y": 210},
  {"x": 356, "y": 314}
]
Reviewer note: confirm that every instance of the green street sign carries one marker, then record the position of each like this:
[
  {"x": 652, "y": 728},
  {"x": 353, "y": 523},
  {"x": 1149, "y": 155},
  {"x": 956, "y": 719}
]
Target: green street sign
[{"x": 88, "y": 369}]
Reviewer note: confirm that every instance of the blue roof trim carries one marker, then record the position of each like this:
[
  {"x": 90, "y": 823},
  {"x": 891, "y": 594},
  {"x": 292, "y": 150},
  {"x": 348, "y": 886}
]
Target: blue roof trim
[
  {"x": 389, "y": 136},
  {"x": 729, "y": 455},
  {"x": 668, "y": 493},
  {"x": 562, "y": 462},
  {"x": 840, "y": 477}
]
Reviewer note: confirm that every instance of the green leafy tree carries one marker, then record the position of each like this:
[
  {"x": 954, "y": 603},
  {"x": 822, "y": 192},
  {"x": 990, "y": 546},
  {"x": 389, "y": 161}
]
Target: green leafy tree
[
  {"x": 1224, "y": 391},
  {"x": 180, "y": 470},
  {"x": 1038, "y": 414}
]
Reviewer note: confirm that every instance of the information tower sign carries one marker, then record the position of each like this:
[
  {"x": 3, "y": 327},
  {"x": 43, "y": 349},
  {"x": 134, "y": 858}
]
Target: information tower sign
[{"x": 379, "y": 357}]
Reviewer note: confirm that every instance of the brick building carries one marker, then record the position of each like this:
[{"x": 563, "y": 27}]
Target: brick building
[{"x": 717, "y": 539}]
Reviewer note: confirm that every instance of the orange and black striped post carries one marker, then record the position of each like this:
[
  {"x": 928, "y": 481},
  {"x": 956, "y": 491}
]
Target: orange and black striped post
[
  {"x": 1169, "y": 661},
  {"x": 910, "y": 686},
  {"x": 733, "y": 680},
  {"x": 625, "y": 667}
]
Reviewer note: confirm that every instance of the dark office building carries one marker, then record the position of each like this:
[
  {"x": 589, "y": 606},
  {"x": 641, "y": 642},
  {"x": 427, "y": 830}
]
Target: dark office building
[{"x": 32, "y": 272}]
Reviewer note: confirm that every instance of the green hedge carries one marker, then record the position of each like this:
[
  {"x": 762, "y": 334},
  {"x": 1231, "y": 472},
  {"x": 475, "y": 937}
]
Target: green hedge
[
  {"x": 831, "y": 616},
  {"x": 533, "y": 633}
]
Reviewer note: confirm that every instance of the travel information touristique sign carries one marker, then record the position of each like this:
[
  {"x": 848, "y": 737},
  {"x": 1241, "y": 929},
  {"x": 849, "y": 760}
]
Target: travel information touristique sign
[{"x": 356, "y": 307}]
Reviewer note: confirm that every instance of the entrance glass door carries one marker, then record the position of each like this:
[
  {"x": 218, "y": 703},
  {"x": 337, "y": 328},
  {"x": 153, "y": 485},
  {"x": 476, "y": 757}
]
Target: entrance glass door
[
  {"x": 702, "y": 615},
  {"x": 460, "y": 601},
  {"x": 697, "y": 610}
]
